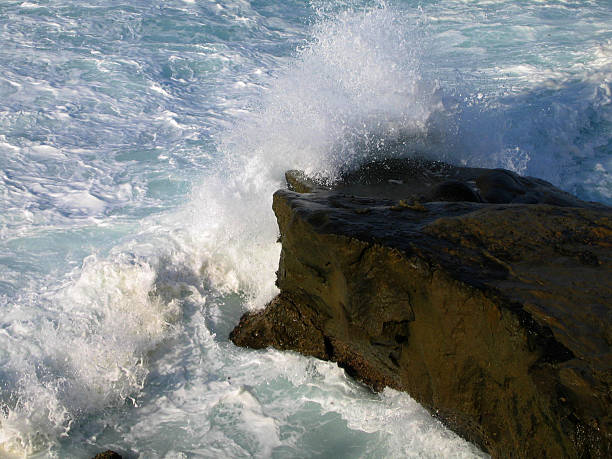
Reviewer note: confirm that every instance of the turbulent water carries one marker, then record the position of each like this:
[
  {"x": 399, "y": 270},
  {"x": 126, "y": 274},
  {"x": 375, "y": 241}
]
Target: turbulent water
[{"x": 140, "y": 143}]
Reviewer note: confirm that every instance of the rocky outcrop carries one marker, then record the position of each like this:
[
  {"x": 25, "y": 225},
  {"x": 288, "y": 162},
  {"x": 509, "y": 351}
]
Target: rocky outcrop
[{"x": 485, "y": 295}]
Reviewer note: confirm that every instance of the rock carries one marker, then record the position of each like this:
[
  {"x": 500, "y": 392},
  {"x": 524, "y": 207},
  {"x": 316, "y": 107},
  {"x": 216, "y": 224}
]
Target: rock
[
  {"x": 497, "y": 317},
  {"x": 501, "y": 186},
  {"x": 107, "y": 455},
  {"x": 298, "y": 181},
  {"x": 283, "y": 326},
  {"x": 454, "y": 190},
  {"x": 429, "y": 181}
]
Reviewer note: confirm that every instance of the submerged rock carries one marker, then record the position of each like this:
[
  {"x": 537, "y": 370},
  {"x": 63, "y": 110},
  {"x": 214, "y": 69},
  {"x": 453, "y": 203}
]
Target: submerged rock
[{"x": 485, "y": 295}]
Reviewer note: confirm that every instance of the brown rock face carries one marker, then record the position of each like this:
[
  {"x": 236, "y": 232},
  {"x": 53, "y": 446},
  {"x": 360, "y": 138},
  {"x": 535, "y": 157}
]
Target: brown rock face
[{"x": 491, "y": 306}]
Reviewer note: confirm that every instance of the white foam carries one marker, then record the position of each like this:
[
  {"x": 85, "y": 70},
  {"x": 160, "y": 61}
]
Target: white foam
[
  {"x": 8, "y": 146},
  {"x": 267, "y": 403},
  {"x": 80, "y": 201},
  {"x": 354, "y": 87},
  {"x": 84, "y": 352},
  {"x": 157, "y": 88},
  {"x": 46, "y": 152}
]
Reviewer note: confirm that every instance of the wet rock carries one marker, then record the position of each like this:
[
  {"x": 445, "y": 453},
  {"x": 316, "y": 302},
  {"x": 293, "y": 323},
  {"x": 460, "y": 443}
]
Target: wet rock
[
  {"x": 429, "y": 181},
  {"x": 454, "y": 190},
  {"x": 282, "y": 325},
  {"x": 298, "y": 181},
  {"x": 497, "y": 317},
  {"x": 501, "y": 186}
]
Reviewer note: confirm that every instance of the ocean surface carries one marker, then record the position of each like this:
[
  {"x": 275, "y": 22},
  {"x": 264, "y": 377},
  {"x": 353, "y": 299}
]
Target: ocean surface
[{"x": 140, "y": 144}]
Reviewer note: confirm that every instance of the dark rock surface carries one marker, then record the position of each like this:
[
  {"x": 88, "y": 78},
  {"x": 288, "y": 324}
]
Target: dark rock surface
[
  {"x": 485, "y": 295},
  {"x": 108, "y": 455}
]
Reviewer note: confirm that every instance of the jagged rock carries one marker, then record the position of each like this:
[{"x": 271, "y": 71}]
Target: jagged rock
[{"x": 495, "y": 316}]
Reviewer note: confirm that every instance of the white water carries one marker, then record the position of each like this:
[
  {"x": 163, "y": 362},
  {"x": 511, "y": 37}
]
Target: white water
[{"x": 141, "y": 148}]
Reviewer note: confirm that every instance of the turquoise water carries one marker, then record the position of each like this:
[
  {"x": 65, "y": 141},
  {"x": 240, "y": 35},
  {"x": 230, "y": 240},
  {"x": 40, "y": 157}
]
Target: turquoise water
[{"x": 140, "y": 143}]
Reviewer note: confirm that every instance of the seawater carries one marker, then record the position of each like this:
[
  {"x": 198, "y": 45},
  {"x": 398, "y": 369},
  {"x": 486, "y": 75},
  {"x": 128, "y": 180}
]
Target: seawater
[{"x": 140, "y": 144}]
